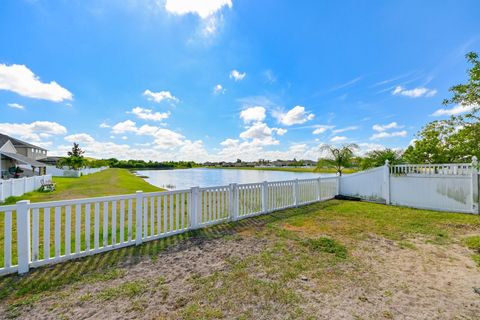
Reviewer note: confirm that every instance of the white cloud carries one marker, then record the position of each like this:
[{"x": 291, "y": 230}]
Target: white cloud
[
  {"x": 261, "y": 134},
  {"x": 125, "y": 126},
  {"x": 16, "y": 106},
  {"x": 296, "y": 115},
  {"x": 237, "y": 75},
  {"x": 366, "y": 147},
  {"x": 160, "y": 96},
  {"x": 338, "y": 139},
  {"x": 384, "y": 127},
  {"x": 414, "y": 93},
  {"x": 253, "y": 114},
  {"x": 458, "y": 109},
  {"x": 319, "y": 129},
  {"x": 203, "y": 9},
  {"x": 384, "y": 134},
  {"x": 230, "y": 143},
  {"x": 21, "y": 80},
  {"x": 163, "y": 138},
  {"x": 281, "y": 131},
  {"x": 350, "y": 128},
  {"x": 104, "y": 125},
  {"x": 218, "y": 89},
  {"x": 80, "y": 138},
  {"x": 148, "y": 114},
  {"x": 34, "y": 131}
]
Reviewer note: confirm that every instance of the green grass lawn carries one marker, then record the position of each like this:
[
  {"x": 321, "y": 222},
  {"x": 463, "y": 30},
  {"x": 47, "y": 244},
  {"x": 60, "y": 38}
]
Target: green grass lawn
[
  {"x": 315, "y": 242},
  {"x": 288, "y": 169},
  {"x": 104, "y": 183}
]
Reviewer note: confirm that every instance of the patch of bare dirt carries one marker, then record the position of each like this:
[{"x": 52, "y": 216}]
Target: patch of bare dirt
[
  {"x": 384, "y": 281},
  {"x": 427, "y": 282},
  {"x": 163, "y": 283}
]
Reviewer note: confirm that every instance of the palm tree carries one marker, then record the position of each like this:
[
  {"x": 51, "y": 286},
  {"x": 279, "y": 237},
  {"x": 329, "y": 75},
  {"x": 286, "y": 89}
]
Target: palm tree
[{"x": 340, "y": 156}]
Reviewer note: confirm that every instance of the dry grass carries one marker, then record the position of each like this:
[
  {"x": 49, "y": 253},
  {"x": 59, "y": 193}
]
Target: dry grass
[{"x": 332, "y": 260}]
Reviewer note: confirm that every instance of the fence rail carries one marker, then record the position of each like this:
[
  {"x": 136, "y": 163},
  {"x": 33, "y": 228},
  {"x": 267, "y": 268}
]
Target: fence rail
[
  {"x": 36, "y": 234},
  {"x": 462, "y": 169}
]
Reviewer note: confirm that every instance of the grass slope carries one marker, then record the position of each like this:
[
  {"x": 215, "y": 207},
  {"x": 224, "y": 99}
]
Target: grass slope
[{"x": 105, "y": 183}]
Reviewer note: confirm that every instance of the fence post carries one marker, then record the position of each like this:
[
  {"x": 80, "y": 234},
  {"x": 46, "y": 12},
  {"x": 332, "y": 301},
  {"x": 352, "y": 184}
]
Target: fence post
[
  {"x": 234, "y": 201},
  {"x": 138, "y": 217},
  {"x": 319, "y": 189},
  {"x": 195, "y": 206},
  {"x": 264, "y": 196},
  {"x": 475, "y": 187},
  {"x": 295, "y": 193},
  {"x": 24, "y": 185},
  {"x": 23, "y": 236},
  {"x": 386, "y": 181}
]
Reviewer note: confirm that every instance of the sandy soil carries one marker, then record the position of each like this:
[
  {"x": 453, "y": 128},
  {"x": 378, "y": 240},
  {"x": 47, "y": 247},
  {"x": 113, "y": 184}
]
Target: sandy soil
[
  {"x": 428, "y": 282},
  {"x": 387, "y": 282}
]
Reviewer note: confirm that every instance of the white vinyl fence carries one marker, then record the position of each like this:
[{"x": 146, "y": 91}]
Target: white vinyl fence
[
  {"x": 59, "y": 172},
  {"x": 443, "y": 187},
  {"x": 37, "y": 234},
  {"x": 17, "y": 187}
]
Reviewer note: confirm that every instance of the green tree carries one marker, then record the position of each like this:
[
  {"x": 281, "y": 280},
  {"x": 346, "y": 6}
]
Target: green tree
[
  {"x": 377, "y": 158},
  {"x": 75, "y": 159},
  {"x": 340, "y": 157},
  {"x": 456, "y": 139},
  {"x": 76, "y": 151}
]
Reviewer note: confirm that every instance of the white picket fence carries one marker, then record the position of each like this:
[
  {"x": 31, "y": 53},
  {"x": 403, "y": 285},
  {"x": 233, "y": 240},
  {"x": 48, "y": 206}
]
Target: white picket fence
[
  {"x": 17, "y": 187},
  {"x": 443, "y": 187},
  {"x": 37, "y": 234},
  {"x": 64, "y": 172}
]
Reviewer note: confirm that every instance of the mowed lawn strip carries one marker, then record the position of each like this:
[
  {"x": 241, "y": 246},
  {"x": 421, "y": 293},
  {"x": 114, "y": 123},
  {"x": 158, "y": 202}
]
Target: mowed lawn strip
[
  {"x": 105, "y": 183},
  {"x": 311, "y": 242}
]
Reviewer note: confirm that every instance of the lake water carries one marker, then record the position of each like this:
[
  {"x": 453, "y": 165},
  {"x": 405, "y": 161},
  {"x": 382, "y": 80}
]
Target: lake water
[{"x": 202, "y": 177}]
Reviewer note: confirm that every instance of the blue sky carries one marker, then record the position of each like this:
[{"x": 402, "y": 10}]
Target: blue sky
[{"x": 227, "y": 79}]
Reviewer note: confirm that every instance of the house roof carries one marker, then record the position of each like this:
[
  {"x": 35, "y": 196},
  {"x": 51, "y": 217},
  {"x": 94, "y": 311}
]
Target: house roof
[
  {"x": 23, "y": 159},
  {"x": 17, "y": 143},
  {"x": 3, "y": 139}
]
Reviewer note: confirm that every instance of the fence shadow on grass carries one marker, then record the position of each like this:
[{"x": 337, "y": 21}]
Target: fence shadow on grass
[{"x": 108, "y": 265}]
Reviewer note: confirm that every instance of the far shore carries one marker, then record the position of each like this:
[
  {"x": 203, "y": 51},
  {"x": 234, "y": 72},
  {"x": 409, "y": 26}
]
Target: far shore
[{"x": 289, "y": 169}]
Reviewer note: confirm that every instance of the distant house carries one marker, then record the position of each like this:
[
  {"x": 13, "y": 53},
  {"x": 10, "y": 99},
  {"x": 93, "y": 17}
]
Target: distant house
[{"x": 19, "y": 158}]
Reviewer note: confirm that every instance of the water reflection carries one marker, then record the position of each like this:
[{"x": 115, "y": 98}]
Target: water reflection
[{"x": 202, "y": 177}]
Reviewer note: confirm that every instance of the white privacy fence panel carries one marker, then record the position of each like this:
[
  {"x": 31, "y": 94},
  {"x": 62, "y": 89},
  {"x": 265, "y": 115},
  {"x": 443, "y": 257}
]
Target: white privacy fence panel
[
  {"x": 36, "y": 234},
  {"x": 64, "y": 172},
  {"x": 441, "y": 192},
  {"x": 368, "y": 185},
  {"x": 20, "y": 186},
  {"x": 443, "y": 187}
]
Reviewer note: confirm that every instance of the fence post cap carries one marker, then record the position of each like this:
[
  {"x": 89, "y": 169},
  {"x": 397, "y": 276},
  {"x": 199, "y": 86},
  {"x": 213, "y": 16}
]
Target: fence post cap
[
  {"x": 23, "y": 202},
  {"x": 139, "y": 191},
  {"x": 387, "y": 162},
  {"x": 474, "y": 159}
]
